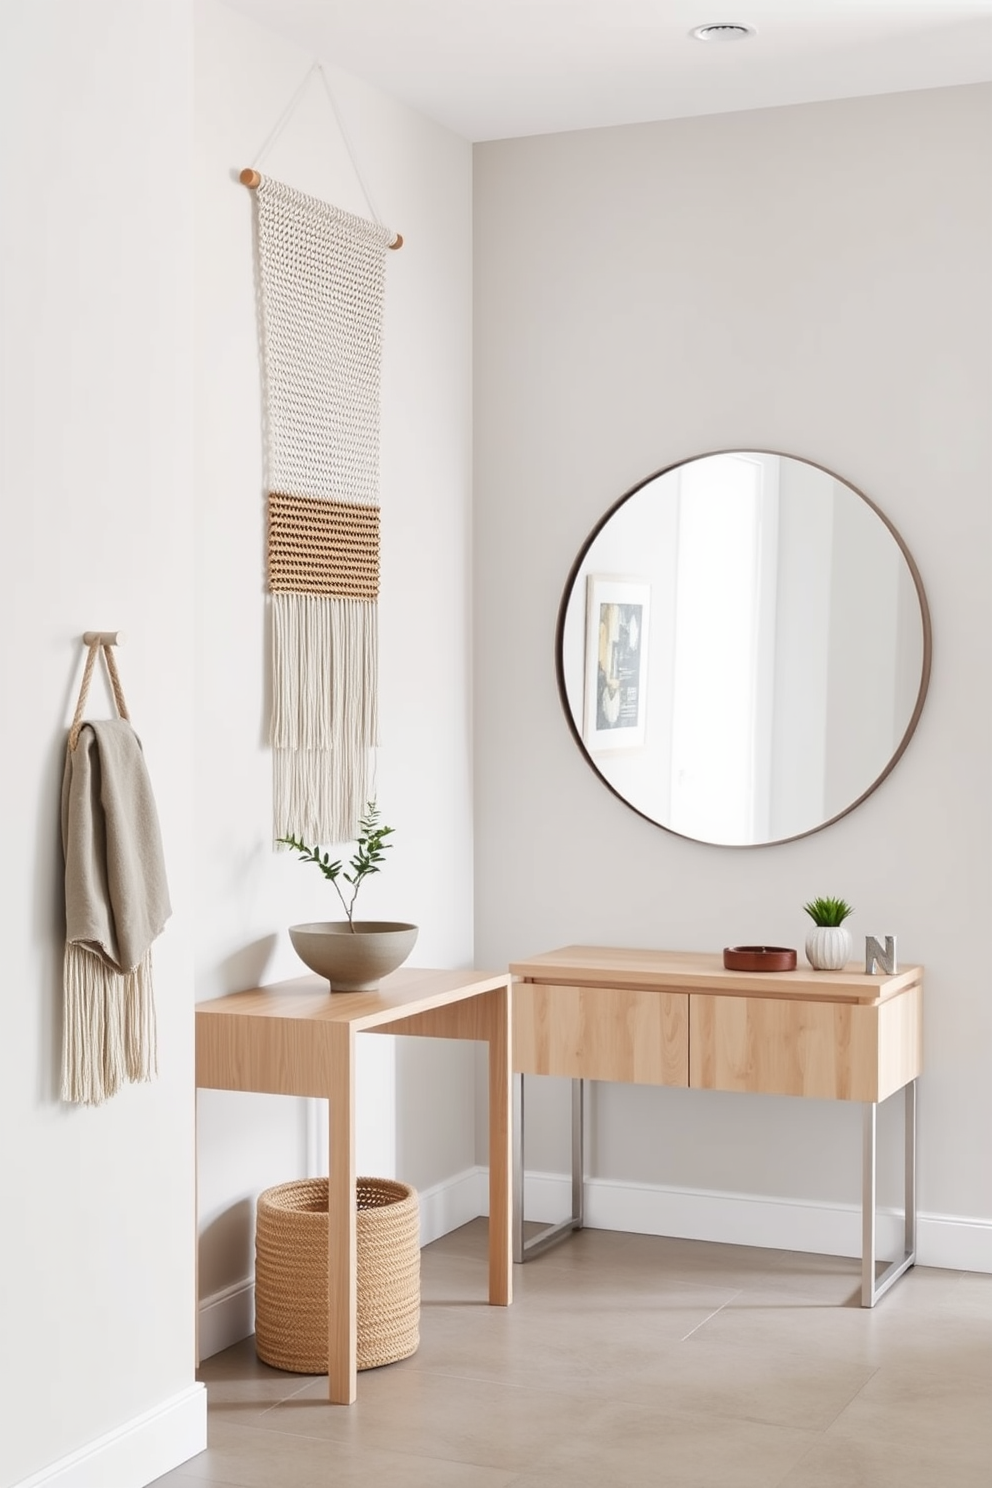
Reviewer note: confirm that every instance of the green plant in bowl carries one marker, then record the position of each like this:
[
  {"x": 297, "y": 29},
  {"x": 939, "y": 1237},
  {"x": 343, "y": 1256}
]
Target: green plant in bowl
[
  {"x": 828, "y": 944},
  {"x": 352, "y": 954},
  {"x": 828, "y": 911},
  {"x": 370, "y": 849}
]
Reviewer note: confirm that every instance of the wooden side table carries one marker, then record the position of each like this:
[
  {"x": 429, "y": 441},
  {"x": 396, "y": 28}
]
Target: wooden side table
[
  {"x": 297, "y": 1038},
  {"x": 680, "y": 1018}
]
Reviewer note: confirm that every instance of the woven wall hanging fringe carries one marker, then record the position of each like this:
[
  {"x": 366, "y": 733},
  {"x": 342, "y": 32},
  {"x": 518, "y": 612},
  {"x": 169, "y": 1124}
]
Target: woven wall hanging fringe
[
  {"x": 116, "y": 901},
  {"x": 321, "y": 274}
]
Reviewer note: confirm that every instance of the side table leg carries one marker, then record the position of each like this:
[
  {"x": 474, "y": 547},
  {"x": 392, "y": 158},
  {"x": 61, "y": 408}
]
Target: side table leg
[
  {"x": 342, "y": 1243},
  {"x": 500, "y": 1270},
  {"x": 873, "y": 1287}
]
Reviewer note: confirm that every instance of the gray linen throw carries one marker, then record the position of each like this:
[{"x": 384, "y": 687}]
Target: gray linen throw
[{"x": 116, "y": 904}]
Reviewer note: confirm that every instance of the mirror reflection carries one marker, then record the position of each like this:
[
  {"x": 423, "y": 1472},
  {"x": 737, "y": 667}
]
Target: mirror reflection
[{"x": 743, "y": 648}]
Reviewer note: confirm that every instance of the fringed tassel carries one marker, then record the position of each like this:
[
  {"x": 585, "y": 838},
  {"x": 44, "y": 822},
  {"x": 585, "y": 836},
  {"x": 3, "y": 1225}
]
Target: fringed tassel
[
  {"x": 109, "y": 1031},
  {"x": 324, "y": 714},
  {"x": 140, "y": 1023}
]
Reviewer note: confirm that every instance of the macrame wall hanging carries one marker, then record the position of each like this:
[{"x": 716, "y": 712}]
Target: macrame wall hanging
[{"x": 321, "y": 287}]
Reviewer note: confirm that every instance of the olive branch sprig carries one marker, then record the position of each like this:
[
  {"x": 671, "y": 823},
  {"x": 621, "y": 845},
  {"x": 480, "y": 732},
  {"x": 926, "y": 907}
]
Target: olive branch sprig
[{"x": 370, "y": 850}]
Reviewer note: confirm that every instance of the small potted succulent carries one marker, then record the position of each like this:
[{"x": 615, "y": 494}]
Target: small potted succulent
[
  {"x": 352, "y": 954},
  {"x": 828, "y": 944}
]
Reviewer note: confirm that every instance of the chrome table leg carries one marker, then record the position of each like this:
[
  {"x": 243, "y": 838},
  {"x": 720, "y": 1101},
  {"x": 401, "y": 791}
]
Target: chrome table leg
[
  {"x": 872, "y": 1286},
  {"x": 524, "y": 1250}
]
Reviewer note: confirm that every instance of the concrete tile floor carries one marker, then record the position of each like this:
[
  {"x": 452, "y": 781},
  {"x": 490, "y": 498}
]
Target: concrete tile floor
[{"x": 630, "y": 1360}]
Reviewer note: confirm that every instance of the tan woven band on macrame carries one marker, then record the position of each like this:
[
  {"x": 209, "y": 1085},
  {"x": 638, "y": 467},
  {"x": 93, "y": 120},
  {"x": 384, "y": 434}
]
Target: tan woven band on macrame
[{"x": 323, "y": 547}]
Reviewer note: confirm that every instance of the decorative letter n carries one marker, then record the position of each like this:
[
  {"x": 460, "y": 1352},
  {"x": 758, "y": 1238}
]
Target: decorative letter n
[{"x": 886, "y": 959}]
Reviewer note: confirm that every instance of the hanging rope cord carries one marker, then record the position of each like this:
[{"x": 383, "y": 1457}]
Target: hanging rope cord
[
  {"x": 84, "y": 689},
  {"x": 289, "y": 111}
]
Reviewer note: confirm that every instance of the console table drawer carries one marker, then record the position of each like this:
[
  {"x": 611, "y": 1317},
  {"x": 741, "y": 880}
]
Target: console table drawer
[
  {"x": 601, "y": 1033},
  {"x": 784, "y": 1046}
]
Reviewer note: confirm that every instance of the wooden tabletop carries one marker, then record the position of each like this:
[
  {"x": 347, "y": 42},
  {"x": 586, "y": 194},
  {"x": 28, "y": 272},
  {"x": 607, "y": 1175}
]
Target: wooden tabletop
[
  {"x": 402, "y": 993},
  {"x": 699, "y": 971}
]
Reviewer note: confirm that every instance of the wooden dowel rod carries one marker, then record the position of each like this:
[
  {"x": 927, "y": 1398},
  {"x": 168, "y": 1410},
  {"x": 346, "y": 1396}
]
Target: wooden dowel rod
[
  {"x": 103, "y": 637},
  {"x": 252, "y": 179}
]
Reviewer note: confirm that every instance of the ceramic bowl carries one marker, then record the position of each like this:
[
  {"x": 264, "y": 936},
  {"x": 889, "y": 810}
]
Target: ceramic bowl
[{"x": 353, "y": 959}]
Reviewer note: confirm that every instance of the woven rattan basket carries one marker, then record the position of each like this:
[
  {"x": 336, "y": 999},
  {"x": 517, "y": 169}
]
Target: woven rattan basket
[{"x": 291, "y": 1274}]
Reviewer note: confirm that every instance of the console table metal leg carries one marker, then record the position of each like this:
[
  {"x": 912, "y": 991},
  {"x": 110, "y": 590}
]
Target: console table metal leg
[
  {"x": 872, "y": 1286},
  {"x": 517, "y": 1168},
  {"x": 524, "y": 1250}
]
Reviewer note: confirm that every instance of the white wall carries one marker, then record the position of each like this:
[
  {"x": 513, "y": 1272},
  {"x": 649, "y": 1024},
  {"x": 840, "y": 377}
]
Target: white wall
[
  {"x": 812, "y": 280},
  {"x": 415, "y": 1097},
  {"x": 97, "y": 1206},
  {"x": 115, "y": 519}
]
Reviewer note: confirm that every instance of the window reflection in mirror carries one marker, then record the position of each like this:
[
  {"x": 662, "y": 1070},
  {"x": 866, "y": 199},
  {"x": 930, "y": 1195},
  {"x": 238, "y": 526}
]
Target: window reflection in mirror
[{"x": 788, "y": 654}]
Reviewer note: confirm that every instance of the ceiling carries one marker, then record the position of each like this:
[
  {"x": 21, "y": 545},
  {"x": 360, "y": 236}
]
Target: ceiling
[{"x": 492, "y": 69}]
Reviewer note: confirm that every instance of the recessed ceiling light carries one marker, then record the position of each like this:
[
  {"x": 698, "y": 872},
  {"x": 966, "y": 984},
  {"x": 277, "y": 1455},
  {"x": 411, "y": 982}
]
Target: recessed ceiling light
[{"x": 723, "y": 31}]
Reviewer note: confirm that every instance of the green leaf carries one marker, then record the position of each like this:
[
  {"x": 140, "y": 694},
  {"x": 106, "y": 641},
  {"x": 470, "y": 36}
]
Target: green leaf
[
  {"x": 827, "y": 911},
  {"x": 370, "y": 850}
]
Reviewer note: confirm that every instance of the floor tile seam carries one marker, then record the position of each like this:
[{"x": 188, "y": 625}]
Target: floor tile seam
[
  {"x": 491, "y": 1382},
  {"x": 646, "y": 1316},
  {"x": 797, "y": 1466},
  {"x": 950, "y": 1435},
  {"x": 588, "y": 1387},
  {"x": 244, "y": 1412},
  {"x": 710, "y": 1316},
  {"x": 306, "y": 1383},
  {"x": 255, "y": 1429},
  {"x": 829, "y": 1428},
  {"x": 729, "y": 1417},
  {"x": 787, "y": 1352},
  {"x": 645, "y": 1313},
  {"x": 367, "y": 1448},
  {"x": 178, "y": 1480},
  {"x": 949, "y": 1450},
  {"x": 288, "y": 1440},
  {"x": 483, "y": 1461},
  {"x": 566, "y": 1283},
  {"x": 263, "y": 1403},
  {"x": 211, "y": 1478}
]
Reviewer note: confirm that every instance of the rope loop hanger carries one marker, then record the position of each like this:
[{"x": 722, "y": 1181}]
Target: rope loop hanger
[
  {"x": 251, "y": 176},
  {"x": 105, "y": 641}
]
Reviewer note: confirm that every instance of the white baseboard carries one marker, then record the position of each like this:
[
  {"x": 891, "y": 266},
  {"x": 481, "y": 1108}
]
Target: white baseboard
[
  {"x": 946, "y": 1241},
  {"x": 135, "y": 1454},
  {"x": 225, "y": 1317},
  {"x": 447, "y": 1206},
  {"x": 956, "y": 1244},
  {"x": 647, "y": 1209}
]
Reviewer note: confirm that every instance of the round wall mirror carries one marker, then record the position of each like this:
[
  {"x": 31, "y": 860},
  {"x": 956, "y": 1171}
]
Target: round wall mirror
[{"x": 743, "y": 648}]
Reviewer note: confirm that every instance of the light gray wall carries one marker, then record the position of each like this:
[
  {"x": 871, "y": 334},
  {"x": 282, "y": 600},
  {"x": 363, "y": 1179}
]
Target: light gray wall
[{"x": 812, "y": 280}]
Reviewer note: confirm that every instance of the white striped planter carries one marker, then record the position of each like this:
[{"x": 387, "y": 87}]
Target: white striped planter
[{"x": 829, "y": 947}]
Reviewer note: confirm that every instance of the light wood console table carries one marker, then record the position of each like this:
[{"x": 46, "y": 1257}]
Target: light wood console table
[
  {"x": 680, "y": 1018},
  {"x": 297, "y": 1038}
]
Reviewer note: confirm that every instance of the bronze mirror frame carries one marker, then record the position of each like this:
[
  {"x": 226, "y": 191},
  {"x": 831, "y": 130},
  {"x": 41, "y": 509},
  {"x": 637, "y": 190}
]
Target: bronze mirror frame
[{"x": 567, "y": 598}]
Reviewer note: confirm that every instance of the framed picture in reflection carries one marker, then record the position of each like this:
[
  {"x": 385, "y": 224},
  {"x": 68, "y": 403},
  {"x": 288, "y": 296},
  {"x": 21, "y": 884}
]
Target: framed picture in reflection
[{"x": 617, "y": 615}]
